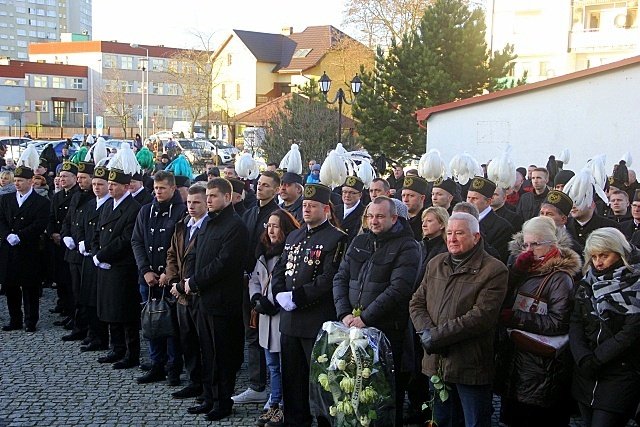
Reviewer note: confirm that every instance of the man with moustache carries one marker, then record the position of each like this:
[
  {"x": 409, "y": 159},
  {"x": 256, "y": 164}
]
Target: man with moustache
[{"x": 291, "y": 194}]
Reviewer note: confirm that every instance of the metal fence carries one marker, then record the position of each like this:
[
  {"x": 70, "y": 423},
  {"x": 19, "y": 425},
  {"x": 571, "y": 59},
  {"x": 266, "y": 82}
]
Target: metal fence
[{"x": 46, "y": 132}]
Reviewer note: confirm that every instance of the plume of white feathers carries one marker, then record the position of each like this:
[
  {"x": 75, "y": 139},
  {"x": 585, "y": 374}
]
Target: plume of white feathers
[
  {"x": 431, "y": 166},
  {"x": 247, "y": 167},
  {"x": 464, "y": 167},
  {"x": 597, "y": 168},
  {"x": 580, "y": 189},
  {"x": 29, "y": 158},
  {"x": 90, "y": 140},
  {"x": 125, "y": 160},
  {"x": 292, "y": 161},
  {"x": 97, "y": 152},
  {"x": 502, "y": 169},
  {"x": 564, "y": 156},
  {"x": 333, "y": 171},
  {"x": 627, "y": 158},
  {"x": 341, "y": 163}
]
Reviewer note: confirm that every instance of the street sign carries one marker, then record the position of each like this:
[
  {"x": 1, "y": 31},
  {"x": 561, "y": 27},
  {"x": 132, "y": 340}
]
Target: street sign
[{"x": 99, "y": 124}]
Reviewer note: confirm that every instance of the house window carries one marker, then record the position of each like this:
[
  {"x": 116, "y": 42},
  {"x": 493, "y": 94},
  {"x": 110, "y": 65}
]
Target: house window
[
  {"x": 157, "y": 64},
  {"x": 77, "y": 107},
  {"x": 60, "y": 110},
  {"x": 40, "y": 81},
  {"x": 77, "y": 84},
  {"x": 11, "y": 82},
  {"x": 238, "y": 91},
  {"x": 41, "y": 106},
  {"x": 21, "y": 21},
  {"x": 229, "y": 59},
  {"x": 110, "y": 85},
  {"x": 126, "y": 62},
  {"x": 173, "y": 66},
  {"x": 301, "y": 53},
  {"x": 109, "y": 61},
  {"x": 59, "y": 82},
  {"x": 127, "y": 86},
  {"x": 157, "y": 88},
  {"x": 172, "y": 111},
  {"x": 172, "y": 89}
]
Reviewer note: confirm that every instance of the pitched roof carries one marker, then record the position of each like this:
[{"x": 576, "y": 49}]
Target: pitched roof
[
  {"x": 280, "y": 49},
  {"x": 18, "y": 69}
]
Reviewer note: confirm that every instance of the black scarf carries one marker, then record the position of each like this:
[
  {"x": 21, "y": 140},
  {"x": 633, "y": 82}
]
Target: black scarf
[{"x": 616, "y": 290}]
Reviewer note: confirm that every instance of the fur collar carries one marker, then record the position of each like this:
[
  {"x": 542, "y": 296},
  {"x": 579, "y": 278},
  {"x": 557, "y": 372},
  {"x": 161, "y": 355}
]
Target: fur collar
[{"x": 570, "y": 261}]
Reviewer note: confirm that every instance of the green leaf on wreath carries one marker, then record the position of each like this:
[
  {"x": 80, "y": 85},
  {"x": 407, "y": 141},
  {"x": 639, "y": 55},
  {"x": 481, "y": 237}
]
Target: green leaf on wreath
[
  {"x": 444, "y": 395},
  {"x": 435, "y": 379},
  {"x": 373, "y": 415},
  {"x": 438, "y": 386}
]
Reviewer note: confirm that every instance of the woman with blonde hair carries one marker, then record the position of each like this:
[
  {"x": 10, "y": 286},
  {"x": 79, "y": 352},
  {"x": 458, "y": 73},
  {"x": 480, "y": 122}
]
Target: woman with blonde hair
[
  {"x": 434, "y": 232},
  {"x": 533, "y": 383},
  {"x": 605, "y": 331},
  {"x": 6, "y": 183}
]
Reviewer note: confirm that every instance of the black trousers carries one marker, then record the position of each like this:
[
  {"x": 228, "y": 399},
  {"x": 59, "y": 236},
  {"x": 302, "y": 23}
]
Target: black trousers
[
  {"x": 125, "y": 339},
  {"x": 257, "y": 362},
  {"x": 98, "y": 330},
  {"x": 62, "y": 278},
  {"x": 27, "y": 295},
  {"x": 295, "y": 354},
  {"x": 222, "y": 345},
  {"x": 80, "y": 316},
  {"x": 190, "y": 343}
]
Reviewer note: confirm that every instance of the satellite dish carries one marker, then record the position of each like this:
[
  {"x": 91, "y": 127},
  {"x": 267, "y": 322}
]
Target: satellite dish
[{"x": 620, "y": 21}]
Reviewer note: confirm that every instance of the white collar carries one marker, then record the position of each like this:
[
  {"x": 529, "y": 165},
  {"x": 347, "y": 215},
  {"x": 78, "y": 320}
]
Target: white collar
[
  {"x": 196, "y": 224},
  {"x": 100, "y": 201},
  {"x": 484, "y": 213},
  {"x": 116, "y": 203},
  {"x": 137, "y": 192},
  {"x": 20, "y": 198},
  {"x": 347, "y": 211}
]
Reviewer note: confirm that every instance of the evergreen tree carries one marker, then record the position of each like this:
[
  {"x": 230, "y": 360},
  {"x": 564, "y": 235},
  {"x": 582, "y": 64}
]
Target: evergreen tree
[{"x": 444, "y": 60}]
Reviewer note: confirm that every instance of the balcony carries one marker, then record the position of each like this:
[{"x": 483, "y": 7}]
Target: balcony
[{"x": 604, "y": 40}]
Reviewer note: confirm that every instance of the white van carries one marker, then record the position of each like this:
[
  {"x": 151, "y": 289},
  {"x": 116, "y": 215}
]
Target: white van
[{"x": 185, "y": 127}]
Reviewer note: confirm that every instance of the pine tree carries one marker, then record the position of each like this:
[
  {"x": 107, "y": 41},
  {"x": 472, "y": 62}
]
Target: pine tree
[{"x": 444, "y": 60}]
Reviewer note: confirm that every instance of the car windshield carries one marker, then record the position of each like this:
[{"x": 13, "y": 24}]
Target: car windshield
[
  {"x": 190, "y": 145},
  {"x": 222, "y": 144}
]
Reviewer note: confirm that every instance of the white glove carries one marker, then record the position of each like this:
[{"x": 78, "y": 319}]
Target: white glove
[
  {"x": 95, "y": 260},
  {"x": 104, "y": 266},
  {"x": 82, "y": 249},
  {"x": 69, "y": 243},
  {"x": 13, "y": 239},
  {"x": 285, "y": 299}
]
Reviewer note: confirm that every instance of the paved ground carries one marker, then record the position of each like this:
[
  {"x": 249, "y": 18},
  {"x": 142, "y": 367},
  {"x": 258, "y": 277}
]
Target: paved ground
[{"x": 47, "y": 382}]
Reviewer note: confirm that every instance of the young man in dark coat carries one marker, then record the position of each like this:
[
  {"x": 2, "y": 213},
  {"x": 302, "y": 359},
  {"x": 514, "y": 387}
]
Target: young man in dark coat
[
  {"x": 62, "y": 274},
  {"x": 23, "y": 218},
  {"x": 414, "y": 193},
  {"x": 303, "y": 289},
  {"x": 377, "y": 276},
  {"x": 151, "y": 239},
  {"x": 214, "y": 272},
  {"x": 138, "y": 190},
  {"x": 98, "y": 333},
  {"x": 117, "y": 290},
  {"x": 68, "y": 232},
  {"x": 349, "y": 213}
]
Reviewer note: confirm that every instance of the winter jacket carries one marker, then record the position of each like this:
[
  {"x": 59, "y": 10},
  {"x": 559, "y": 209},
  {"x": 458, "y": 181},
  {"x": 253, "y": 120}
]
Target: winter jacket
[
  {"x": 269, "y": 326},
  {"x": 529, "y": 204},
  {"x": 430, "y": 248},
  {"x": 523, "y": 376},
  {"x": 460, "y": 309},
  {"x": 614, "y": 341},
  {"x": 152, "y": 233},
  {"x": 255, "y": 218},
  {"x": 378, "y": 273}
]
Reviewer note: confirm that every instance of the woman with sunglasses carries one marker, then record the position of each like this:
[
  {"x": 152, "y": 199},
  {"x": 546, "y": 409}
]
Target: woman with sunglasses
[
  {"x": 533, "y": 386},
  {"x": 605, "y": 331}
]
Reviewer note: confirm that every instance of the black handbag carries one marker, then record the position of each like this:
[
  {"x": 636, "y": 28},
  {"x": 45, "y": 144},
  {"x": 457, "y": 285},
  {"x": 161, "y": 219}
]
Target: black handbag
[{"x": 158, "y": 317}]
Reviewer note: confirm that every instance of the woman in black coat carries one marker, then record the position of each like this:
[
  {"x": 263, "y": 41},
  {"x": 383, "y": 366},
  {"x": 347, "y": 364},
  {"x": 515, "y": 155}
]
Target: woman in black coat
[
  {"x": 434, "y": 235},
  {"x": 605, "y": 331}
]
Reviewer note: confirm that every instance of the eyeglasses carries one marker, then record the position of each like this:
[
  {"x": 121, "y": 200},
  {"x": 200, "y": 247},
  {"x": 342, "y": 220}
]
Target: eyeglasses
[
  {"x": 534, "y": 245},
  {"x": 350, "y": 193}
]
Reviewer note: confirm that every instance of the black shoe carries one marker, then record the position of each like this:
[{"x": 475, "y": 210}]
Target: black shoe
[
  {"x": 12, "y": 327},
  {"x": 218, "y": 414},
  {"x": 85, "y": 341},
  {"x": 110, "y": 357},
  {"x": 155, "y": 374},
  {"x": 75, "y": 336},
  {"x": 125, "y": 363},
  {"x": 173, "y": 375},
  {"x": 146, "y": 366},
  {"x": 93, "y": 347},
  {"x": 202, "y": 408},
  {"x": 63, "y": 321},
  {"x": 188, "y": 391},
  {"x": 30, "y": 329},
  {"x": 56, "y": 309},
  {"x": 200, "y": 399}
]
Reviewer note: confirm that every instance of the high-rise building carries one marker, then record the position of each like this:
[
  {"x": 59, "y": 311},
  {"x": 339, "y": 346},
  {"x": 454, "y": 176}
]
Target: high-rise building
[{"x": 38, "y": 21}]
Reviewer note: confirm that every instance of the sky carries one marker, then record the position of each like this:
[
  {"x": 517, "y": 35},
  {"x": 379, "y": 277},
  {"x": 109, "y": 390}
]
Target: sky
[{"x": 168, "y": 23}]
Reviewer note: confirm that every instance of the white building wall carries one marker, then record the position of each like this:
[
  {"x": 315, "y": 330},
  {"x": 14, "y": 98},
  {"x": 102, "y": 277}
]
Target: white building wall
[
  {"x": 590, "y": 116},
  {"x": 241, "y": 71}
]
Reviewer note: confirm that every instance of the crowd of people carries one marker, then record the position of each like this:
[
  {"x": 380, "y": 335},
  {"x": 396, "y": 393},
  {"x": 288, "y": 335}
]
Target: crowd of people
[{"x": 530, "y": 292}]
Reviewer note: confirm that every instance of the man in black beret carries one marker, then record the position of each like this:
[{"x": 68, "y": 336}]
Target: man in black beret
[
  {"x": 414, "y": 192},
  {"x": 349, "y": 213},
  {"x": 291, "y": 194},
  {"x": 562, "y": 178},
  {"x": 443, "y": 192},
  {"x": 237, "y": 196},
  {"x": 496, "y": 231}
]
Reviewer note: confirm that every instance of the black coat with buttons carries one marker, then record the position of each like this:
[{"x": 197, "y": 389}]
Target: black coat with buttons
[
  {"x": 152, "y": 233},
  {"x": 85, "y": 232},
  {"x": 60, "y": 204},
  {"x": 310, "y": 260},
  {"x": 72, "y": 221},
  {"x": 20, "y": 265},
  {"x": 117, "y": 288}
]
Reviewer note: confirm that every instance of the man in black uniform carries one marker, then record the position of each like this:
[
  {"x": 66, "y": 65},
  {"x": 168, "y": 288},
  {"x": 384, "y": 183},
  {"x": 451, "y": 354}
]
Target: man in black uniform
[
  {"x": 631, "y": 226},
  {"x": 118, "y": 293},
  {"x": 62, "y": 274},
  {"x": 237, "y": 200},
  {"x": 69, "y": 235},
  {"x": 618, "y": 210},
  {"x": 98, "y": 334},
  {"x": 254, "y": 219},
  {"x": 214, "y": 272},
  {"x": 23, "y": 218},
  {"x": 138, "y": 190},
  {"x": 302, "y": 284},
  {"x": 291, "y": 194},
  {"x": 495, "y": 230},
  {"x": 584, "y": 221},
  {"x": 500, "y": 207},
  {"x": 413, "y": 195},
  {"x": 349, "y": 213}
]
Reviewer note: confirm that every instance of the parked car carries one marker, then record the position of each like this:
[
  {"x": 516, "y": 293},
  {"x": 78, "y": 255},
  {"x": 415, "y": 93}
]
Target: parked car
[
  {"x": 226, "y": 152},
  {"x": 163, "y": 135},
  {"x": 57, "y": 146},
  {"x": 15, "y": 145}
]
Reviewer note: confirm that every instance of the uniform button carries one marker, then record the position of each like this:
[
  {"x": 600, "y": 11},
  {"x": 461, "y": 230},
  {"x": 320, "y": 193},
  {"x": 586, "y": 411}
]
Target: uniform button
[
  {"x": 66, "y": 207},
  {"x": 102, "y": 228},
  {"x": 110, "y": 230}
]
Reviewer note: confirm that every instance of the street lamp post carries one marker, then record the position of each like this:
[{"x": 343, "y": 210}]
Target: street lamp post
[
  {"x": 325, "y": 85},
  {"x": 145, "y": 88}
]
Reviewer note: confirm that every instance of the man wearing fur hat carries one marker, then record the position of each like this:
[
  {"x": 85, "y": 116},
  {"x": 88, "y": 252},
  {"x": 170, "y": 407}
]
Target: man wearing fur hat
[
  {"x": 23, "y": 218},
  {"x": 349, "y": 213}
]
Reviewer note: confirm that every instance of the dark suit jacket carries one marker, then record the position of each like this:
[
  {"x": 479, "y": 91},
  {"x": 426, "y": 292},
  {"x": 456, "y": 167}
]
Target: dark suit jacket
[
  {"x": 20, "y": 265},
  {"x": 352, "y": 223},
  {"x": 72, "y": 221},
  {"x": 581, "y": 232},
  {"x": 629, "y": 227},
  {"x": 498, "y": 233},
  {"x": 511, "y": 216},
  {"x": 85, "y": 232}
]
